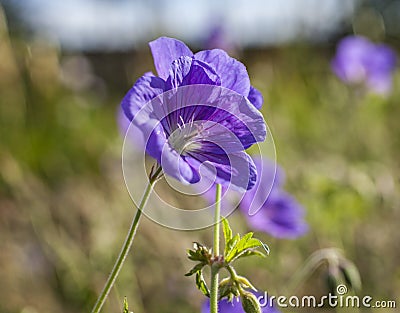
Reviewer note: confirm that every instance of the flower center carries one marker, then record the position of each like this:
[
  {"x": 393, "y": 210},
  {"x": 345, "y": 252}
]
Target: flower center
[{"x": 183, "y": 138}]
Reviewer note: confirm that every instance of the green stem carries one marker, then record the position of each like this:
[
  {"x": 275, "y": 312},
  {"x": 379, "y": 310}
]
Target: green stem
[
  {"x": 127, "y": 244},
  {"x": 232, "y": 272},
  {"x": 234, "y": 278},
  {"x": 215, "y": 269}
]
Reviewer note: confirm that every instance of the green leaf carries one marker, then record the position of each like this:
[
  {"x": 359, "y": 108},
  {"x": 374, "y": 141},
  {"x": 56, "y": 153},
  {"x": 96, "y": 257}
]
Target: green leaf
[
  {"x": 201, "y": 284},
  {"x": 240, "y": 246},
  {"x": 248, "y": 242},
  {"x": 250, "y": 252},
  {"x": 192, "y": 255},
  {"x": 200, "y": 253},
  {"x": 126, "y": 310},
  {"x": 227, "y": 232},
  {"x": 244, "y": 247},
  {"x": 244, "y": 243},
  {"x": 195, "y": 269},
  {"x": 231, "y": 245}
]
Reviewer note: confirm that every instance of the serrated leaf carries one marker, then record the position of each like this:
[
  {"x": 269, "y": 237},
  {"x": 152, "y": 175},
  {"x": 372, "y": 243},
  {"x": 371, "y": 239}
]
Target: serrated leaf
[
  {"x": 249, "y": 252},
  {"x": 196, "y": 268},
  {"x": 231, "y": 245},
  {"x": 239, "y": 247},
  {"x": 243, "y": 243},
  {"x": 201, "y": 253},
  {"x": 246, "y": 253},
  {"x": 245, "y": 247},
  {"x": 252, "y": 243},
  {"x": 227, "y": 232},
  {"x": 126, "y": 309},
  {"x": 191, "y": 254},
  {"x": 201, "y": 284}
]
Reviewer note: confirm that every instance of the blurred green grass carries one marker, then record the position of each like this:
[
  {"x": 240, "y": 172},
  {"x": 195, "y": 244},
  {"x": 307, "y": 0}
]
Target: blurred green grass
[{"x": 64, "y": 209}]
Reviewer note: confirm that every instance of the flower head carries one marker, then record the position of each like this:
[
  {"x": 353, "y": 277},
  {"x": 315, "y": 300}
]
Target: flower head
[
  {"x": 200, "y": 111},
  {"x": 276, "y": 212},
  {"x": 358, "y": 60}
]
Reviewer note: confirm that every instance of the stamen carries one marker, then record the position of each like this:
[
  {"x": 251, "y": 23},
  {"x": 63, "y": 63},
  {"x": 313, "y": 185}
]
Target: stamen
[
  {"x": 183, "y": 139},
  {"x": 183, "y": 122}
]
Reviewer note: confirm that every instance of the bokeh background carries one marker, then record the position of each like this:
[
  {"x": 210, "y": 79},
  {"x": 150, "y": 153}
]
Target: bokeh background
[{"x": 64, "y": 208}]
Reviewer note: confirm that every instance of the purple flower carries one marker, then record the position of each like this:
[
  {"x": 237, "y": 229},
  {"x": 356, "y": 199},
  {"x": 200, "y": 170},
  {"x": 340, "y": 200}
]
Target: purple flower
[
  {"x": 270, "y": 209},
  {"x": 358, "y": 60},
  {"x": 224, "y": 306},
  {"x": 200, "y": 111},
  {"x": 266, "y": 207},
  {"x": 218, "y": 38}
]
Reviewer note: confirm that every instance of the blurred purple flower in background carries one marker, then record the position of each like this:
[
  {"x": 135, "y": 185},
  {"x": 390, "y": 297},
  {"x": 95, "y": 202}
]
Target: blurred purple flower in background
[
  {"x": 218, "y": 38},
  {"x": 224, "y": 306},
  {"x": 359, "y": 60},
  {"x": 181, "y": 129},
  {"x": 267, "y": 207},
  {"x": 276, "y": 212}
]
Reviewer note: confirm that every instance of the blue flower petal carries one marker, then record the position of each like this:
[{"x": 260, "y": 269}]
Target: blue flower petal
[
  {"x": 276, "y": 212},
  {"x": 281, "y": 216},
  {"x": 187, "y": 71},
  {"x": 166, "y": 50},
  {"x": 272, "y": 174},
  {"x": 176, "y": 166},
  {"x": 237, "y": 168},
  {"x": 349, "y": 62},
  {"x": 233, "y": 73},
  {"x": 255, "y": 97},
  {"x": 242, "y": 119},
  {"x": 224, "y": 306},
  {"x": 145, "y": 89},
  {"x": 172, "y": 162},
  {"x": 359, "y": 60},
  {"x": 234, "y": 114}
]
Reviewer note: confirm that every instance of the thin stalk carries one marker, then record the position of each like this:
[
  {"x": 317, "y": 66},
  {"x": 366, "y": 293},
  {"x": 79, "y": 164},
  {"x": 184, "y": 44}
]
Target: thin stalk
[
  {"x": 127, "y": 244},
  {"x": 214, "y": 269}
]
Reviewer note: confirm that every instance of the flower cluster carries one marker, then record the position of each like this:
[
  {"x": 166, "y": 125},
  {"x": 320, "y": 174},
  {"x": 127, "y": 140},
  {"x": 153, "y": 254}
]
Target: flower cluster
[{"x": 360, "y": 61}]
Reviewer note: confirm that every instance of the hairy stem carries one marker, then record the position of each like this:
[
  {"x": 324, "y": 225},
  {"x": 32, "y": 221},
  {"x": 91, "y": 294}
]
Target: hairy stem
[
  {"x": 127, "y": 244},
  {"x": 214, "y": 269}
]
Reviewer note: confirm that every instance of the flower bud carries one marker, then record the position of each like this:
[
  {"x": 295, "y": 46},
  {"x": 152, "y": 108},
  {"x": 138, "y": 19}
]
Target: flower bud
[{"x": 250, "y": 303}]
